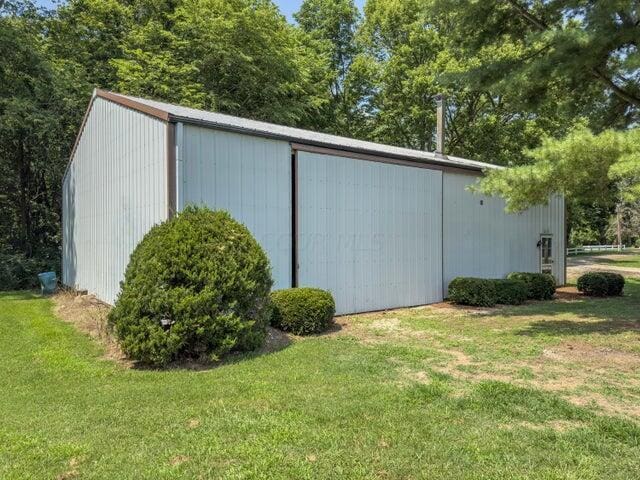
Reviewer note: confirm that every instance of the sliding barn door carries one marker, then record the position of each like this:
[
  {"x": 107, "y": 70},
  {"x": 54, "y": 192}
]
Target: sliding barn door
[{"x": 369, "y": 232}]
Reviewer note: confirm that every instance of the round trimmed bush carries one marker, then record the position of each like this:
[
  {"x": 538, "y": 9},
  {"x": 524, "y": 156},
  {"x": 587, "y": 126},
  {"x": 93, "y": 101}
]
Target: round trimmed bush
[
  {"x": 511, "y": 291},
  {"x": 615, "y": 282},
  {"x": 601, "y": 284},
  {"x": 541, "y": 286},
  {"x": 302, "y": 311},
  {"x": 196, "y": 286},
  {"x": 479, "y": 292}
]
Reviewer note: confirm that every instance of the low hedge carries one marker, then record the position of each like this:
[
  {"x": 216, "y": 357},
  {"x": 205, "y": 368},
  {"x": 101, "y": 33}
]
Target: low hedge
[
  {"x": 478, "y": 292},
  {"x": 540, "y": 286},
  {"x": 511, "y": 291},
  {"x": 302, "y": 311},
  {"x": 601, "y": 284}
]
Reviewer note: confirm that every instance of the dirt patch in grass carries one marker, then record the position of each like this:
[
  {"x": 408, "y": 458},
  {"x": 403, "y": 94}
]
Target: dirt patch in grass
[
  {"x": 579, "y": 371},
  {"x": 179, "y": 460},
  {"x": 592, "y": 356},
  {"x": 89, "y": 315},
  {"x": 568, "y": 294},
  {"x": 606, "y": 404}
]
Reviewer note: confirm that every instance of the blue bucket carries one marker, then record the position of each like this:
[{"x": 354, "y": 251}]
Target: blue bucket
[{"x": 48, "y": 282}]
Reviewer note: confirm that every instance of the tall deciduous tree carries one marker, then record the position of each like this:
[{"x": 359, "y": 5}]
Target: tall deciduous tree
[
  {"x": 333, "y": 25},
  {"x": 235, "y": 56},
  {"x": 412, "y": 44},
  {"x": 34, "y": 120}
]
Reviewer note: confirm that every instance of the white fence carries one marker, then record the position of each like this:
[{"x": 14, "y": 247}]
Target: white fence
[{"x": 594, "y": 248}]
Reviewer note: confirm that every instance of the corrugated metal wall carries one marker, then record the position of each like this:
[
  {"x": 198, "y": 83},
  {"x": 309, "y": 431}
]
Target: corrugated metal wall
[
  {"x": 369, "y": 232},
  {"x": 113, "y": 193},
  {"x": 484, "y": 241},
  {"x": 250, "y": 177}
]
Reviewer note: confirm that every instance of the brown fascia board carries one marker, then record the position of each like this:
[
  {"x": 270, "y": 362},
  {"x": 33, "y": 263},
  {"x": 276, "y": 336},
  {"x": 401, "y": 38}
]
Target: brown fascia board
[
  {"x": 132, "y": 104},
  {"x": 125, "y": 102}
]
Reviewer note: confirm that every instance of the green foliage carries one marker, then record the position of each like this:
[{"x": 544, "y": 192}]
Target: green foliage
[
  {"x": 511, "y": 291},
  {"x": 531, "y": 50},
  {"x": 196, "y": 285},
  {"x": 540, "y": 286},
  {"x": 302, "y": 311},
  {"x": 581, "y": 166},
  {"x": 601, "y": 284},
  {"x": 415, "y": 55},
  {"x": 332, "y": 24},
  {"x": 36, "y": 116},
  {"x": 18, "y": 272},
  {"x": 480, "y": 292},
  {"x": 235, "y": 56}
]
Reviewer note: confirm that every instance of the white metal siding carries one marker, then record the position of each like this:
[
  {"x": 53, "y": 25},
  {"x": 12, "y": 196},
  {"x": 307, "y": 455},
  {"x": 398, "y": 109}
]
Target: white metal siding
[
  {"x": 113, "y": 193},
  {"x": 482, "y": 240},
  {"x": 250, "y": 177},
  {"x": 369, "y": 232}
]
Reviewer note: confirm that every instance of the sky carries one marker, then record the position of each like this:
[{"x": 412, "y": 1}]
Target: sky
[{"x": 287, "y": 7}]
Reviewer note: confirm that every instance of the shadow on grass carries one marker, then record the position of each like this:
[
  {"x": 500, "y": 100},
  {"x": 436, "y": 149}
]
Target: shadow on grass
[{"x": 275, "y": 341}]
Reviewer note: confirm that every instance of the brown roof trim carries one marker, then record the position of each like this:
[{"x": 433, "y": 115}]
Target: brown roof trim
[
  {"x": 132, "y": 104},
  {"x": 115, "y": 98},
  {"x": 382, "y": 159}
]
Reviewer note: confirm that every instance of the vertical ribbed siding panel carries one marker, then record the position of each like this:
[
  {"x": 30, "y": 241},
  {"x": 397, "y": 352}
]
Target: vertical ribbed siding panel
[
  {"x": 250, "y": 177},
  {"x": 113, "y": 193},
  {"x": 369, "y": 232},
  {"x": 482, "y": 240}
]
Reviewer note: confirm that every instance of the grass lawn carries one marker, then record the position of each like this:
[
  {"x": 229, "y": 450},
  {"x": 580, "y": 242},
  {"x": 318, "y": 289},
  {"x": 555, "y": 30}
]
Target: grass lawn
[{"x": 545, "y": 390}]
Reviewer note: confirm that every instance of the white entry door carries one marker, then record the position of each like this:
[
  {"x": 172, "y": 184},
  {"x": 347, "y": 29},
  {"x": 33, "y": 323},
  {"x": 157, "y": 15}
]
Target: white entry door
[
  {"x": 546, "y": 254},
  {"x": 369, "y": 232}
]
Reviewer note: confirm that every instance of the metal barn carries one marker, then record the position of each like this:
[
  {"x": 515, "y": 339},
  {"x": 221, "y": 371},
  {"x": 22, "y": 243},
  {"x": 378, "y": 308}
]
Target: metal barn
[{"x": 378, "y": 226}]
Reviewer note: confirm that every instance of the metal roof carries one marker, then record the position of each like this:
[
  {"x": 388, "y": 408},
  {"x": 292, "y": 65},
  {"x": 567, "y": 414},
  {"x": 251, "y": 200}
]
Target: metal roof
[{"x": 177, "y": 113}]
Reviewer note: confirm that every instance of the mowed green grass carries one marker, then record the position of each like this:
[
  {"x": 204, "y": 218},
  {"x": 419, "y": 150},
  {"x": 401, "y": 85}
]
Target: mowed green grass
[{"x": 407, "y": 394}]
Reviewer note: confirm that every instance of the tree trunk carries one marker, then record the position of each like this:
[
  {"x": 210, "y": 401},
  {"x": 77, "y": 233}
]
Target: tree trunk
[{"x": 24, "y": 204}]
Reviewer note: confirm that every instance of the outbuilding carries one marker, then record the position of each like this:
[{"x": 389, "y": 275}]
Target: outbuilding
[{"x": 378, "y": 226}]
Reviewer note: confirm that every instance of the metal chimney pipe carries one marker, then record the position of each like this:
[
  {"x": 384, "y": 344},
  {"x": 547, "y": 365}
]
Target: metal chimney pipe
[{"x": 441, "y": 125}]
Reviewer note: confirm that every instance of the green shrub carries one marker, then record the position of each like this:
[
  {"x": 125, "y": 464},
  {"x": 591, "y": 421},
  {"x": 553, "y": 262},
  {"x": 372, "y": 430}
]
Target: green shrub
[
  {"x": 601, "y": 284},
  {"x": 478, "y": 292},
  {"x": 196, "y": 286},
  {"x": 302, "y": 311},
  {"x": 541, "y": 286},
  {"x": 511, "y": 291},
  {"x": 616, "y": 283},
  {"x": 18, "y": 272}
]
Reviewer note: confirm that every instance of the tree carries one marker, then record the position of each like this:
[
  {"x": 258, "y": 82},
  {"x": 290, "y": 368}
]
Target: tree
[
  {"x": 234, "y": 56},
  {"x": 411, "y": 43},
  {"x": 35, "y": 116},
  {"x": 532, "y": 47},
  {"x": 333, "y": 24},
  {"x": 583, "y": 166}
]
